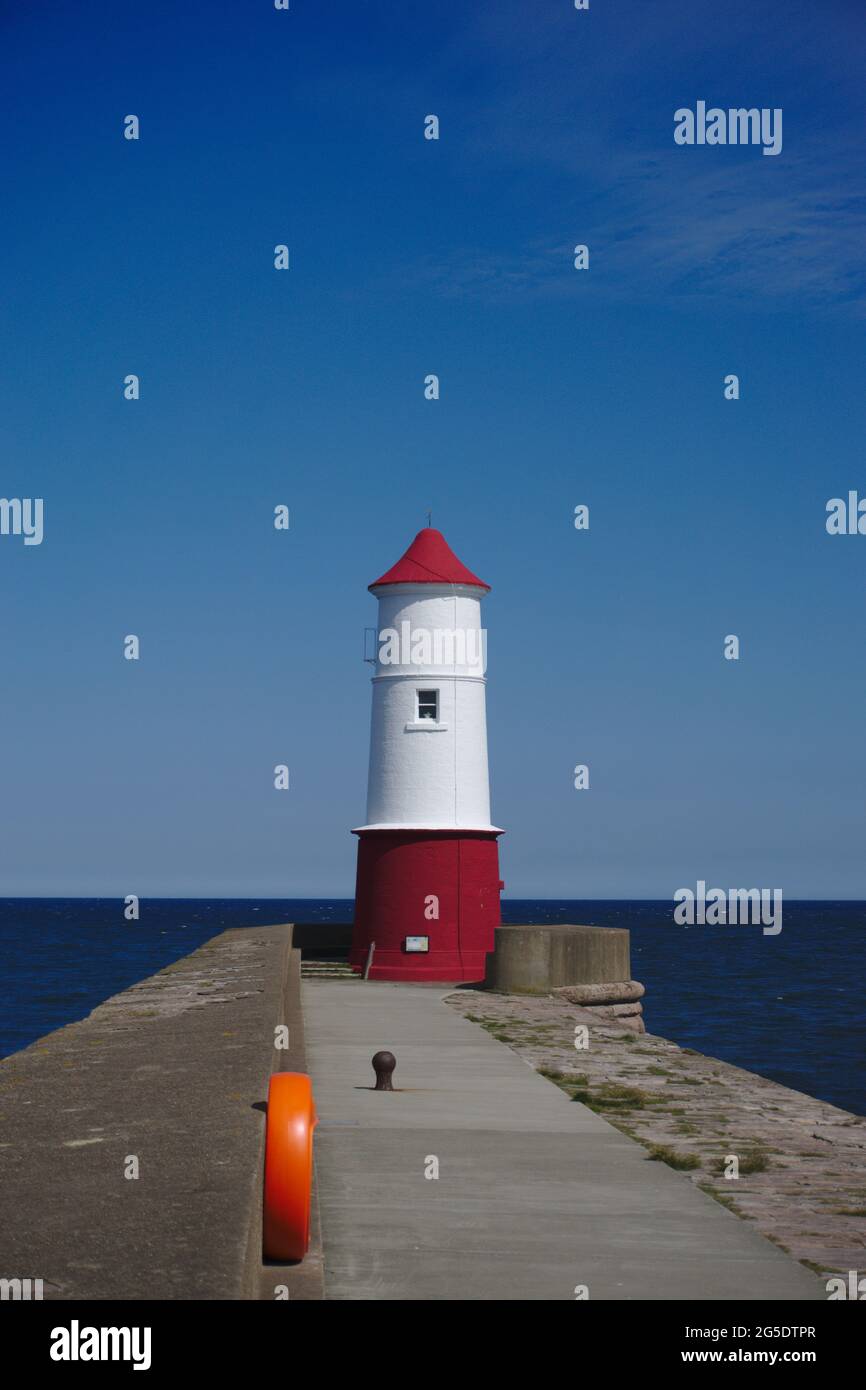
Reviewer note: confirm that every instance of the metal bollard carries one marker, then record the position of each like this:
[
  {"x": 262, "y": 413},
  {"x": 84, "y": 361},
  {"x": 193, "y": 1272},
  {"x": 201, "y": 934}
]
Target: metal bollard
[{"x": 383, "y": 1065}]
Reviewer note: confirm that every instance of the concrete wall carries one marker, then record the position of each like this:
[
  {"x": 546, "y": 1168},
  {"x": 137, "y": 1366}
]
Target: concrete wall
[
  {"x": 534, "y": 960},
  {"x": 175, "y": 1073}
]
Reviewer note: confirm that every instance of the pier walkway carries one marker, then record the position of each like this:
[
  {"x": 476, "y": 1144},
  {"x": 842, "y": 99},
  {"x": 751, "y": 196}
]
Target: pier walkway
[{"x": 536, "y": 1196}]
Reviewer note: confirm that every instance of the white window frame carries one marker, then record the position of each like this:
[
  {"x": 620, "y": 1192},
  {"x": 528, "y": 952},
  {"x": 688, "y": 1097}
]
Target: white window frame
[
  {"x": 425, "y": 718},
  {"x": 430, "y": 726}
]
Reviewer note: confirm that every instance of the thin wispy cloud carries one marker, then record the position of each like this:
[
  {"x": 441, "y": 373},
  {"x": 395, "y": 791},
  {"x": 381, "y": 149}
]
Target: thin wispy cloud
[
  {"x": 594, "y": 108},
  {"x": 717, "y": 232}
]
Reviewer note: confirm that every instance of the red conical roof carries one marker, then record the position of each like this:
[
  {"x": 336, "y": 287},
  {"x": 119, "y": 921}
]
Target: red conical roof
[{"x": 429, "y": 560}]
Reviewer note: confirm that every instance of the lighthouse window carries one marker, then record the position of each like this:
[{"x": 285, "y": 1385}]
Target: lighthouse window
[{"x": 428, "y": 704}]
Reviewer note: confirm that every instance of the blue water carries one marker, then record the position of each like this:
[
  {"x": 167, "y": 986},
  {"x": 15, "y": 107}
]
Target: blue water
[{"x": 790, "y": 1007}]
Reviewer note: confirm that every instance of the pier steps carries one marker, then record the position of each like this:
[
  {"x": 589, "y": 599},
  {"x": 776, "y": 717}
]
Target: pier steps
[{"x": 327, "y": 970}]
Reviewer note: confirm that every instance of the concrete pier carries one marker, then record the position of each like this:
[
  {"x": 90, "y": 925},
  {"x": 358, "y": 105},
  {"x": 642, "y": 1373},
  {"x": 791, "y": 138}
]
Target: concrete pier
[
  {"x": 536, "y": 1195},
  {"x": 172, "y": 1073}
]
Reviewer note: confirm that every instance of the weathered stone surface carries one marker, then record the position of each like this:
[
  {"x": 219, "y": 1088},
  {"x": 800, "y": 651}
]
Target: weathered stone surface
[
  {"x": 632, "y": 1021},
  {"x": 810, "y": 1198},
  {"x": 616, "y": 992}
]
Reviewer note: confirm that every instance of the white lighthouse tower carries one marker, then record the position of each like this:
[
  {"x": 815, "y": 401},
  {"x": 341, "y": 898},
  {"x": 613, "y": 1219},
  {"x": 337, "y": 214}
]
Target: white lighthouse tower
[{"x": 427, "y": 896}]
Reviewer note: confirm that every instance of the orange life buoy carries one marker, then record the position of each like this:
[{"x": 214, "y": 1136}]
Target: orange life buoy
[{"x": 288, "y": 1166}]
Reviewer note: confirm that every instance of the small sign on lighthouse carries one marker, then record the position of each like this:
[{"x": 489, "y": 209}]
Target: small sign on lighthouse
[{"x": 428, "y": 835}]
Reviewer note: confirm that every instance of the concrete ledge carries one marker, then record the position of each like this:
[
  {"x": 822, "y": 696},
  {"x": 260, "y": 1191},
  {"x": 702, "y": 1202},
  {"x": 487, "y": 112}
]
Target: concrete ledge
[
  {"x": 535, "y": 960},
  {"x": 304, "y": 1282},
  {"x": 621, "y": 992},
  {"x": 173, "y": 1072},
  {"x": 617, "y": 1000}
]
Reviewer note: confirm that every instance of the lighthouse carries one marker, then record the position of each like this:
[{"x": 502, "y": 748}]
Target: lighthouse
[{"x": 427, "y": 891}]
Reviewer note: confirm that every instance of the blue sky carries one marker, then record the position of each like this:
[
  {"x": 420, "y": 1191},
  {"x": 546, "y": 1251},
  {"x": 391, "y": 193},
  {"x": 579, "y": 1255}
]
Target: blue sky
[{"x": 306, "y": 388}]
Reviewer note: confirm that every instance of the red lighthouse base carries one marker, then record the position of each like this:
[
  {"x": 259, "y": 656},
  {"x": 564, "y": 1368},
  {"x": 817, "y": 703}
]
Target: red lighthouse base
[{"x": 439, "y": 884}]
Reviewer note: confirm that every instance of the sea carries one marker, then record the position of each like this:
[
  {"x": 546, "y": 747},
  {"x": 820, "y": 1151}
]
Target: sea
[{"x": 791, "y": 1007}]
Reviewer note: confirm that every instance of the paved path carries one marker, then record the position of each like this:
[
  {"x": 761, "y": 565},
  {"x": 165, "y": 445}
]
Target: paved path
[
  {"x": 809, "y": 1199},
  {"x": 536, "y": 1194}
]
